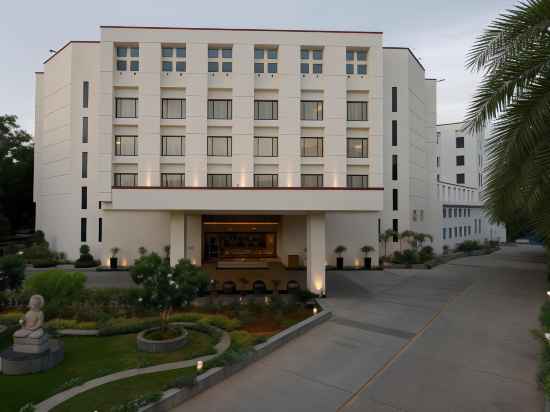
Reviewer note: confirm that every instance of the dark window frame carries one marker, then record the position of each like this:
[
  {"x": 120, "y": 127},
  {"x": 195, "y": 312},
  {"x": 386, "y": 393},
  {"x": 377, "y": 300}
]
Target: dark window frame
[
  {"x": 228, "y": 146},
  {"x": 364, "y": 181},
  {"x": 394, "y": 132},
  {"x": 228, "y": 180},
  {"x": 394, "y": 167},
  {"x": 119, "y": 99},
  {"x": 394, "y": 99},
  {"x": 460, "y": 178},
  {"x": 319, "y": 178},
  {"x": 84, "y": 165},
  {"x": 318, "y": 139},
  {"x": 274, "y": 179},
  {"x": 117, "y": 176},
  {"x": 83, "y": 229},
  {"x": 395, "y": 200},
  {"x": 164, "y": 146},
  {"x": 459, "y": 142},
  {"x": 364, "y": 147},
  {"x": 395, "y": 228},
  {"x": 274, "y": 146},
  {"x": 364, "y": 111},
  {"x": 319, "y": 112},
  {"x": 460, "y": 160},
  {"x": 100, "y": 230},
  {"x": 274, "y": 109},
  {"x": 85, "y": 93},
  {"x": 119, "y": 146},
  {"x": 211, "y": 114},
  {"x": 84, "y": 198},
  {"x": 85, "y": 125},
  {"x": 183, "y": 108},
  {"x": 164, "y": 179}
]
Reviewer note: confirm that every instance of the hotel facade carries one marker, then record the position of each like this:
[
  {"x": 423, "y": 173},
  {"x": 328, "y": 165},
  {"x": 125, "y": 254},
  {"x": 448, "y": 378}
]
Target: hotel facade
[{"x": 239, "y": 144}]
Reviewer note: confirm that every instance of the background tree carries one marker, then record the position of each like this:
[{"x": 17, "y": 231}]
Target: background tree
[
  {"x": 16, "y": 177},
  {"x": 513, "y": 55}
]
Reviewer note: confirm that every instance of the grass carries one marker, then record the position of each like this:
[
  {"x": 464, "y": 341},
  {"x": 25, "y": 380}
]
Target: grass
[
  {"x": 88, "y": 358},
  {"x": 110, "y": 395}
]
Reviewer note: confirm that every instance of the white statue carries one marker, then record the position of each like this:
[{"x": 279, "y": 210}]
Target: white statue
[{"x": 33, "y": 321}]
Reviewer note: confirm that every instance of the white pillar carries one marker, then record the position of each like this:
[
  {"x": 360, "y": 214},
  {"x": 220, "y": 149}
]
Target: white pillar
[
  {"x": 177, "y": 237},
  {"x": 315, "y": 228},
  {"x": 194, "y": 239}
]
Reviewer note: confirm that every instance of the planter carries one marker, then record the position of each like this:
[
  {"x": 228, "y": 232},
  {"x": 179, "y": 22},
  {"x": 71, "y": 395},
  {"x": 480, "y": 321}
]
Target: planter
[
  {"x": 339, "y": 263},
  {"x": 113, "y": 262},
  {"x": 368, "y": 263},
  {"x": 160, "y": 346}
]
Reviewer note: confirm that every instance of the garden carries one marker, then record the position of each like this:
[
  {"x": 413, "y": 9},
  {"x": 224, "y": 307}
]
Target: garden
[{"x": 101, "y": 328}]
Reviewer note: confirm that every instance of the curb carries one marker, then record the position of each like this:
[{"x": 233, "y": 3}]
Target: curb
[{"x": 174, "y": 397}]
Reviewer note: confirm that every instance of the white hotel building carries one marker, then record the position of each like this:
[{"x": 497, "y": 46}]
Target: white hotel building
[{"x": 241, "y": 143}]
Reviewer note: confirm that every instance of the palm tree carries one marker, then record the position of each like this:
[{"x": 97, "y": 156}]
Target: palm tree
[
  {"x": 513, "y": 56},
  {"x": 385, "y": 236},
  {"x": 406, "y": 234}
]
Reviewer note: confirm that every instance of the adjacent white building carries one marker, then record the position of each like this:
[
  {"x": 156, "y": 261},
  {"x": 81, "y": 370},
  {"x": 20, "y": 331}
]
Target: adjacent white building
[{"x": 236, "y": 144}]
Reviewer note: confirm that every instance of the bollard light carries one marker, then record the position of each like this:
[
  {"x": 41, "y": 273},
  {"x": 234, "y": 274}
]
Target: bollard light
[
  {"x": 547, "y": 336},
  {"x": 315, "y": 310},
  {"x": 200, "y": 365}
]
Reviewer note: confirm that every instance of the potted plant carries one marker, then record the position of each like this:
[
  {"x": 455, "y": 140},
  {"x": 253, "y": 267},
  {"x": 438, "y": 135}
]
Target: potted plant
[
  {"x": 340, "y": 260},
  {"x": 113, "y": 261},
  {"x": 368, "y": 261}
]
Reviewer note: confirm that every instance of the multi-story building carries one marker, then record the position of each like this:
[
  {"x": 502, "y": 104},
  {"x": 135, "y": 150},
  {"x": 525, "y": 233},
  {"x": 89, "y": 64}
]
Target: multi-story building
[
  {"x": 459, "y": 166},
  {"x": 230, "y": 143}
]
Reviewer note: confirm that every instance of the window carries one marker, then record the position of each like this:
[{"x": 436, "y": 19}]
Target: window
[
  {"x": 172, "y": 146},
  {"x": 266, "y": 109},
  {"x": 219, "y": 146},
  {"x": 358, "y": 181},
  {"x": 469, "y": 210},
  {"x": 311, "y": 110},
  {"x": 395, "y": 200},
  {"x": 265, "y": 60},
  {"x": 456, "y": 232},
  {"x": 460, "y": 178},
  {"x": 85, "y": 94},
  {"x": 460, "y": 142},
  {"x": 127, "y": 57},
  {"x": 126, "y": 146},
  {"x": 220, "y": 57},
  {"x": 444, "y": 233},
  {"x": 460, "y": 231},
  {"x": 357, "y": 111},
  {"x": 395, "y": 228},
  {"x": 460, "y": 160},
  {"x": 312, "y": 61},
  {"x": 309, "y": 180},
  {"x": 394, "y": 132},
  {"x": 437, "y": 162},
  {"x": 263, "y": 180},
  {"x": 100, "y": 229},
  {"x": 356, "y": 61},
  {"x": 172, "y": 179},
  {"x": 84, "y": 165},
  {"x": 125, "y": 179},
  {"x": 219, "y": 180},
  {"x": 394, "y": 99},
  {"x": 174, "y": 57},
  {"x": 83, "y": 222},
  {"x": 358, "y": 147},
  {"x": 266, "y": 146},
  {"x": 311, "y": 147},
  {"x": 460, "y": 212},
  {"x": 220, "y": 109},
  {"x": 450, "y": 233},
  {"x": 84, "y": 130},
  {"x": 84, "y": 198},
  {"x": 126, "y": 107},
  {"x": 394, "y": 167},
  {"x": 173, "y": 108}
]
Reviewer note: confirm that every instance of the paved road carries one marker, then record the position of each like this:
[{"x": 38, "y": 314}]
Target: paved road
[{"x": 455, "y": 338}]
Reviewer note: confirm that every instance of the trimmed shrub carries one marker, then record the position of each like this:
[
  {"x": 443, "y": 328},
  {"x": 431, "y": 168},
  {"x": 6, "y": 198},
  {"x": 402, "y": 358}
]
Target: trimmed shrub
[
  {"x": 11, "y": 318},
  {"x": 12, "y": 272},
  {"x": 70, "y": 324},
  {"x": 426, "y": 254},
  {"x": 221, "y": 321},
  {"x": 44, "y": 263},
  {"x": 125, "y": 326},
  {"x": 38, "y": 252},
  {"x": 58, "y": 287},
  {"x": 86, "y": 260},
  {"x": 468, "y": 246}
]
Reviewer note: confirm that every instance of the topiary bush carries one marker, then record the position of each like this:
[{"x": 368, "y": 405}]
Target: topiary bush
[
  {"x": 58, "y": 287},
  {"x": 86, "y": 260},
  {"x": 12, "y": 272}
]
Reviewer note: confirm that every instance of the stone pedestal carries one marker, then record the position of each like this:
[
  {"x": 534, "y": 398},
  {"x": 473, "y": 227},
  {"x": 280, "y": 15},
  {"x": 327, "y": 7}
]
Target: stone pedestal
[
  {"x": 31, "y": 345},
  {"x": 19, "y": 363}
]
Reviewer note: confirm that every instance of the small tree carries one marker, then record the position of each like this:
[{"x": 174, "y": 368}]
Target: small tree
[
  {"x": 406, "y": 234},
  {"x": 339, "y": 250},
  {"x": 367, "y": 249},
  {"x": 167, "y": 287}
]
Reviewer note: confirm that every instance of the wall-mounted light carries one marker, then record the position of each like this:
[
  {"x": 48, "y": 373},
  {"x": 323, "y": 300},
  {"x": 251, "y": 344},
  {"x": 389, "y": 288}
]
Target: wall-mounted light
[
  {"x": 315, "y": 310},
  {"x": 200, "y": 365}
]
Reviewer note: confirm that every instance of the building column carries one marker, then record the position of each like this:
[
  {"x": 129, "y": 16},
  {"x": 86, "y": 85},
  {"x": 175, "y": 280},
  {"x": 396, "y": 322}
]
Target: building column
[
  {"x": 315, "y": 228},
  {"x": 194, "y": 239},
  {"x": 177, "y": 237}
]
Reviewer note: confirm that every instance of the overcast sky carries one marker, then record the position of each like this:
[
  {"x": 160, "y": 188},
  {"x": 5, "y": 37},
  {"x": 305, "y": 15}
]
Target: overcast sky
[{"x": 439, "y": 32}]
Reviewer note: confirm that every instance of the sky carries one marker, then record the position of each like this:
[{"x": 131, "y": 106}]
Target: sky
[{"x": 439, "y": 32}]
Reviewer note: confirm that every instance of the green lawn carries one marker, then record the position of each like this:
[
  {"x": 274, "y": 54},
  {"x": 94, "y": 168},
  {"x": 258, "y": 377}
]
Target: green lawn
[
  {"x": 90, "y": 357},
  {"x": 110, "y": 395}
]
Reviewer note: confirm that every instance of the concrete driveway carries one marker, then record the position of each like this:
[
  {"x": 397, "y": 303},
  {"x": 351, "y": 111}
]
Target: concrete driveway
[{"x": 454, "y": 338}]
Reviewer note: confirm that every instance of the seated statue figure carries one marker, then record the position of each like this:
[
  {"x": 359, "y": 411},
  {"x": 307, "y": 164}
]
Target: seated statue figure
[{"x": 33, "y": 321}]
